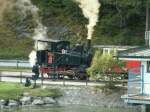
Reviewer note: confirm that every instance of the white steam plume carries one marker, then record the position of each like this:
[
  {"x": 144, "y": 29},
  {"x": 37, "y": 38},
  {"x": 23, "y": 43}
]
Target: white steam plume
[
  {"x": 90, "y": 9},
  {"x": 40, "y": 32}
]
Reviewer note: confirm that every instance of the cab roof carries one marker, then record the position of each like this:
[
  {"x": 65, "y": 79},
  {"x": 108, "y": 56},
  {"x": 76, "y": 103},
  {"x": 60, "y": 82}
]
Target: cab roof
[{"x": 52, "y": 41}]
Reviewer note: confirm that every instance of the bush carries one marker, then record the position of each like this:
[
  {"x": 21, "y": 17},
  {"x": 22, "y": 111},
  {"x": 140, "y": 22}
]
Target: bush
[{"x": 102, "y": 67}]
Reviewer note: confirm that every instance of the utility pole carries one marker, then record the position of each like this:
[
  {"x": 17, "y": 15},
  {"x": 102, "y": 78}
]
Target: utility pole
[
  {"x": 147, "y": 32},
  {"x": 147, "y": 18}
]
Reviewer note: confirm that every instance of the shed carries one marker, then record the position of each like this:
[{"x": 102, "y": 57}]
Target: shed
[{"x": 138, "y": 77}]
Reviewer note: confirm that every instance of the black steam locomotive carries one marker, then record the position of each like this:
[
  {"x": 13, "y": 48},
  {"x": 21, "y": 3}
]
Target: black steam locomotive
[{"x": 59, "y": 60}]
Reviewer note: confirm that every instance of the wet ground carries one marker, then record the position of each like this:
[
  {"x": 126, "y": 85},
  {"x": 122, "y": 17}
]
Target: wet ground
[{"x": 69, "y": 108}]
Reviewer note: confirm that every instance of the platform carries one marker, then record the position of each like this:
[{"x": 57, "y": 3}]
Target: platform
[{"x": 136, "y": 99}]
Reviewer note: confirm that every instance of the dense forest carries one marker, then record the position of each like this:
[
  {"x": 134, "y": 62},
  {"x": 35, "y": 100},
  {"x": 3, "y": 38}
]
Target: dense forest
[{"x": 121, "y": 22}]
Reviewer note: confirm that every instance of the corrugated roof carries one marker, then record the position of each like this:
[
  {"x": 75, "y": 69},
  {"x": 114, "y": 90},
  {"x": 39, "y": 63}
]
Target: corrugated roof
[
  {"x": 140, "y": 52},
  {"x": 114, "y": 46}
]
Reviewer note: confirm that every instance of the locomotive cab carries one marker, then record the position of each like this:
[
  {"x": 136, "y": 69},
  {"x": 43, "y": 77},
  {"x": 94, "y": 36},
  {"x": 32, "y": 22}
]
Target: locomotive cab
[
  {"x": 44, "y": 57},
  {"x": 55, "y": 45},
  {"x": 59, "y": 46}
]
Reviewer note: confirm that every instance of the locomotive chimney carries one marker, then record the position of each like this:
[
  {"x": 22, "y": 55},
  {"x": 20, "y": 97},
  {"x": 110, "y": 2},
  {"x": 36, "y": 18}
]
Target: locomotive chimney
[{"x": 88, "y": 44}]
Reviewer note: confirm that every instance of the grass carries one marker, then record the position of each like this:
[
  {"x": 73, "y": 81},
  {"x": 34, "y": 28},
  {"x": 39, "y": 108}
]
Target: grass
[
  {"x": 10, "y": 91},
  {"x": 14, "y": 91}
]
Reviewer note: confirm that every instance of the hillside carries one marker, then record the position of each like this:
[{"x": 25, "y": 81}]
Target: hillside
[{"x": 121, "y": 22}]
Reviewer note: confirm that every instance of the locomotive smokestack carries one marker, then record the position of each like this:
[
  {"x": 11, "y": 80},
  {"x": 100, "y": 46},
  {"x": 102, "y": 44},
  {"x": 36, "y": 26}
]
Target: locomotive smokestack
[{"x": 88, "y": 44}]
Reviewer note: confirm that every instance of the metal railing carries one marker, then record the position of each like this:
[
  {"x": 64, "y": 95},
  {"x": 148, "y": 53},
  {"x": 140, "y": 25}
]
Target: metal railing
[
  {"x": 20, "y": 77},
  {"x": 15, "y": 76},
  {"x": 14, "y": 63}
]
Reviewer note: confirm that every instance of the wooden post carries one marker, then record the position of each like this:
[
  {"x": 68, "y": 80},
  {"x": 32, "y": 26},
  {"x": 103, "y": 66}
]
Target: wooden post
[
  {"x": 42, "y": 79},
  {"x": 87, "y": 79},
  {"x": 0, "y": 76},
  {"x": 63, "y": 80},
  {"x": 21, "y": 77},
  {"x": 17, "y": 64},
  {"x": 34, "y": 86}
]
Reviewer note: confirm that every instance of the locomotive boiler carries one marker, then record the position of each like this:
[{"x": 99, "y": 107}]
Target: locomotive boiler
[{"x": 60, "y": 60}]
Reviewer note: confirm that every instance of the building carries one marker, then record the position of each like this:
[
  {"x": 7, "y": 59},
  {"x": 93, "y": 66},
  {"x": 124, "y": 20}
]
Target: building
[
  {"x": 138, "y": 77},
  {"x": 112, "y": 49}
]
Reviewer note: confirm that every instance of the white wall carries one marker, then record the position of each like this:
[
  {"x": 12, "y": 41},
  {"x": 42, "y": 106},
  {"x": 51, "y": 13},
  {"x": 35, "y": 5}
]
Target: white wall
[{"x": 146, "y": 77}]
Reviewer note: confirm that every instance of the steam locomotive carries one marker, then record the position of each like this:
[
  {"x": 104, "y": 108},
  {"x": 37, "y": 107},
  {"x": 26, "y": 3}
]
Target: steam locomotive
[{"x": 60, "y": 60}]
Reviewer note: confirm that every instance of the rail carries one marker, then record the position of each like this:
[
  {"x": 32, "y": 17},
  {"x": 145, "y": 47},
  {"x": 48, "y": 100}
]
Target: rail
[{"x": 20, "y": 77}]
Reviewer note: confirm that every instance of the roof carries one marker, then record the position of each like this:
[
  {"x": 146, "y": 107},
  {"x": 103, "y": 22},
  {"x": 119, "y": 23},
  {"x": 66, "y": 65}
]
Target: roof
[
  {"x": 136, "y": 53},
  {"x": 114, "y": 46},
  {"x": 51, "y": 40}
]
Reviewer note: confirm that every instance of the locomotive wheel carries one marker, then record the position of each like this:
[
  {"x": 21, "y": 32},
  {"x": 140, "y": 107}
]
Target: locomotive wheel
[
  {"x": 70, "y": 77},
  {"x": 81, "y": 76},
  {"x": 60, "y": 76},
  {"x": 69, "y": 73}
]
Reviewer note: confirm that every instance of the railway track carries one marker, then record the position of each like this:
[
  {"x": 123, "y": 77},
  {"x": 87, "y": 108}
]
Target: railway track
[{"x": 20, "y": 77}]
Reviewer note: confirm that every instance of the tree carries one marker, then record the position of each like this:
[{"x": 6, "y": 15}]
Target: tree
[{"x": 121, "y": 22}]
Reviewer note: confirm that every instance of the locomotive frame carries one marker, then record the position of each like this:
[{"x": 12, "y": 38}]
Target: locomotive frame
[{"x": 59, "y": 60}]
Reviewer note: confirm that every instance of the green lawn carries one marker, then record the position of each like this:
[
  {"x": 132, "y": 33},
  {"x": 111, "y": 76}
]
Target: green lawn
[{"x": 15, "y": 90}]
